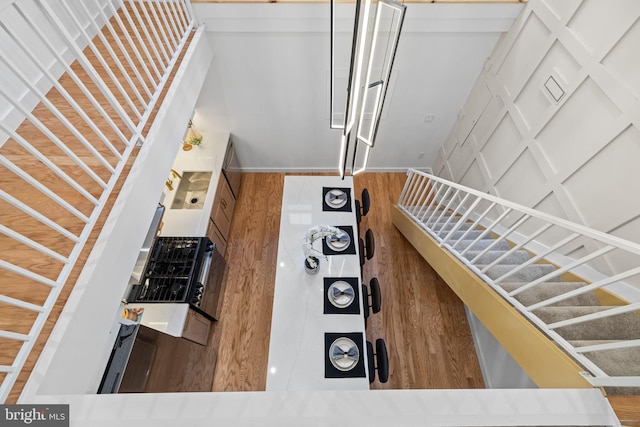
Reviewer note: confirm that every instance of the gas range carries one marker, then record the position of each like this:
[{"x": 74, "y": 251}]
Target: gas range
[{"x": 179, "y": 270}]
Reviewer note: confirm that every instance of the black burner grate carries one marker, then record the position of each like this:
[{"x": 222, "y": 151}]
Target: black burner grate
[{"x": 172, "y": 267}]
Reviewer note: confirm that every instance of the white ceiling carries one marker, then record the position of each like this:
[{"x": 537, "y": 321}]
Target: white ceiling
[{"x": 268, "y": 83}]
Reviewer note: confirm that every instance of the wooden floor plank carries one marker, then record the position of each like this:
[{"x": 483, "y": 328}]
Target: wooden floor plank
[{"x": 422, "y": 321}]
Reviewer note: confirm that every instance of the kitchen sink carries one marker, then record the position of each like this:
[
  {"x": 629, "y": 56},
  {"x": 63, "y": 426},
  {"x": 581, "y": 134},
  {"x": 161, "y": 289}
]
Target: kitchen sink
[{"x": 192, "y": 190}]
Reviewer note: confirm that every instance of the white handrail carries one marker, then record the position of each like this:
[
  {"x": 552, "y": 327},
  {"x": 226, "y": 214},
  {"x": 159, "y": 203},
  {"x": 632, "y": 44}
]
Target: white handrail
[
  {"x": 436, "y": 204},
  {"x": 70, "y": 152},
  {"x": 572, "y": 226}
]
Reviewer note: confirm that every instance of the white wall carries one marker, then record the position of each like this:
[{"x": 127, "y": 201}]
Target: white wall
[
  {"x": 499, "y": 369},
  {"x": 272, "y": 65},
  {"x": 576, "y": 158}
]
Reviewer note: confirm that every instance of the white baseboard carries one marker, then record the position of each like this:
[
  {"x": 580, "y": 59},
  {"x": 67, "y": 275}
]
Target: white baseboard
[{"x": 327, "y": 169}]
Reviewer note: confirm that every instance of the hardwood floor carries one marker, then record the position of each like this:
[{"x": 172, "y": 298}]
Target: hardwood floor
[
  {"x": 251, "y": 254},
  {"x": 422, "y": 321}
]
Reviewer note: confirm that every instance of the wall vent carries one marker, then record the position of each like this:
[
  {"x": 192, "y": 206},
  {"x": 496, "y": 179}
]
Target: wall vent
[{"x": 553, "y": 88}]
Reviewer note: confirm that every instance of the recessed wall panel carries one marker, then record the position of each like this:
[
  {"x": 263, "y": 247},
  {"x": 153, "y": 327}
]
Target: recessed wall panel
[
  {"x": 625, "y": 260},
  {"x": 552, "y": 206},
  {"x": 532, "y": 102},
  {"x": 597, "y": 22},
  {"x": 461, "y": 157},
  {"x": 525, "y": 52},
  {"x": 487, "y": 122},
  {"x": 473, "y": 177},
  {"x": 604, "y": 190},
  {"x": 562, "y": 9},
  {"x": 473, "y": 108},
  {"x": 577, "y": 158},
  {"x": 579, "y": 129},
  {"x": 524, "y": 182},
  {"x": 501, "y": 145},
  {"x": 622, "y": 61}
]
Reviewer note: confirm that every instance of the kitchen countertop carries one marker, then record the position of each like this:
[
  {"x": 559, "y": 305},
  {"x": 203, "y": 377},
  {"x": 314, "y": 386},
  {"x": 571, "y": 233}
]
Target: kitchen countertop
[
  {"x": 168, "y": 318},
  {"x": 297, "y": 353},
  {"x": 207, "y": 157}
]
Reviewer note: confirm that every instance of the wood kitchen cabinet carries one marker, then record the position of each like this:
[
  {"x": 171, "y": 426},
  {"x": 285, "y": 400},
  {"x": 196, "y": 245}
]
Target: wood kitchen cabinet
[
  {"x": 221, "y": 215},
  {"x": 196, "y": 328},
  {"x": 216, "y": 237}
]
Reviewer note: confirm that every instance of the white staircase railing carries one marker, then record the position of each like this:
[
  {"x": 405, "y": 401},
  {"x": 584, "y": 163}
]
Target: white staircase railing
[
  {"x": 452, "y": 213},
  {"x": 80, "y": 80}
]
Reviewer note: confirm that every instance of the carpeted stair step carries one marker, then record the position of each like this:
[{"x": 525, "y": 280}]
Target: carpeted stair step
[
  {"x": 517, "y": 257},
  {"x": 482, "y": 244},
  {"x": 547, "y": 290},
  {"x": 442, "y": 227},
  {"x": 527, "y": 274},
  {"x": 624, "y": 326},
  {"x": 618, "y": 362},
  {"x": 473, "y": 234}
]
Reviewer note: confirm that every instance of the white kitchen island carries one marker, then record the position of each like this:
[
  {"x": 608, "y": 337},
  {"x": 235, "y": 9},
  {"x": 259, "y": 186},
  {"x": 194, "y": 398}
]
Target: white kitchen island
[{"x": 297, "y": 347}]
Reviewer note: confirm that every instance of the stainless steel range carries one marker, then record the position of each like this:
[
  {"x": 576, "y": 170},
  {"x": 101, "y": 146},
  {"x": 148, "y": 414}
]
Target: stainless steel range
[{"x": 183, "y": 270}]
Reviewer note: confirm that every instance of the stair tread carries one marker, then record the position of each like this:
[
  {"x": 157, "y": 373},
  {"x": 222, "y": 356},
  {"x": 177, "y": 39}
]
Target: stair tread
[
  {"x": 527, "y": 274},
  {"x": 587, "y": 310},
  {"x": 546, "y": 290},
  {"x": 449, "y": 227},
  {"x": 492, "y": 255},
  {"x": 624, "y": 326},
  {"x": 473, "y": 234},
  {"x": 482, "y": 244},
  {"x": 618, "y": 327},
  {"x": 621, "y": 361}
]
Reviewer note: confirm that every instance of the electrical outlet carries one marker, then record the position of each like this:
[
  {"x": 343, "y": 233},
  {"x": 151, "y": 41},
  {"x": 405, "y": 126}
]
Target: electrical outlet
[
  {"x": 429, "y": 118},
  {"x": 421, "y": 155}
]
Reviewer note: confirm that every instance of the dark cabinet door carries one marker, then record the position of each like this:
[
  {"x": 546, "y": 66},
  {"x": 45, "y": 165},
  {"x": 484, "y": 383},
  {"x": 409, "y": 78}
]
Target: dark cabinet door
[{"x": 214, "y": 288}]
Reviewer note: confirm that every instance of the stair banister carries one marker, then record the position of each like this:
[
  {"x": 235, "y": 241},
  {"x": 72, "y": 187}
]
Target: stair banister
[
  {"x": 518, "y": 246},
  {"x": 463, "y": 218},
  {"x": 487, "y": 231},
  {"x": 545, "y": 217},
  {"x": 444, "y": 211},
  {"x": 602, "y": 314},
  {"x": 59, "y": 121},
  {"x": 609, "y": 346},
  {"x": 454, "y": 214},
  {"x": 474, "y": 224},
  {"x": 502, "y": 237},
  {"x": 537, "y": 258},
  {"x": 439, "y": 202},
  {"x": 569, "y": 267}
]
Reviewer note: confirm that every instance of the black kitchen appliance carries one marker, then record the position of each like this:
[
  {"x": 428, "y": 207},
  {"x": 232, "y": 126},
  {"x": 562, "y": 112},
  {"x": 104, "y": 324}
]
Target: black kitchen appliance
[{"x": 183, "y": 270}]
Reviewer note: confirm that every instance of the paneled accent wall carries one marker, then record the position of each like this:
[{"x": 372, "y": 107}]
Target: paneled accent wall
[{"x": 553, "y": 121}]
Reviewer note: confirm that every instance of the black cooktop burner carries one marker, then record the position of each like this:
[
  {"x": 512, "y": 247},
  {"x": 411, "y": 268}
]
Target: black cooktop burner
[{"x": 171, "y": 270}]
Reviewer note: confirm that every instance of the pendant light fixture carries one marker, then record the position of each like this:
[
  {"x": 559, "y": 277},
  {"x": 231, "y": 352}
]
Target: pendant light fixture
[{"x": 373, "y": 50}]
